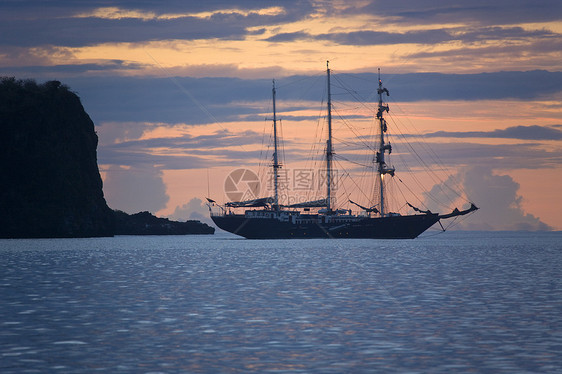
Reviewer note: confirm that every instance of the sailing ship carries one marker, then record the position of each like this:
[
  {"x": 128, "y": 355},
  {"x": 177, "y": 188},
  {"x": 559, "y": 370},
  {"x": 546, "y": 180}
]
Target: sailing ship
[{"x": 267, "y": 218}]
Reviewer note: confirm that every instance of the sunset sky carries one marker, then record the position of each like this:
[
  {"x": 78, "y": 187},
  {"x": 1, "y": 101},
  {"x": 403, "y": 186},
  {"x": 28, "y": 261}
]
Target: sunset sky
[{"x": 180, "y": 93}]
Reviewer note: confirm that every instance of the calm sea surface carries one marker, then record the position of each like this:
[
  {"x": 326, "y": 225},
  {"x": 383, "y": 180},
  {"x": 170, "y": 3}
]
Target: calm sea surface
[{"x": 456, "y": 302}]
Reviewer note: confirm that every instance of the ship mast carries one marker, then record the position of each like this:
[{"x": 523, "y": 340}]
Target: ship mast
[
  {"x": 276, "y": 165},
  {"x": 329, "y": 153},
  {"x": 382, "y": 167}
]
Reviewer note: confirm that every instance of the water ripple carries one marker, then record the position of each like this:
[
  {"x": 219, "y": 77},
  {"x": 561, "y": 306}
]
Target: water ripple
[{"x": 459, "y": 302}]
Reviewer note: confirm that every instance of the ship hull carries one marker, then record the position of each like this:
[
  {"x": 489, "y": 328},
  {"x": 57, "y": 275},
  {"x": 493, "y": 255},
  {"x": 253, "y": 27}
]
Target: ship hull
[{"x": 394, "y": 227}]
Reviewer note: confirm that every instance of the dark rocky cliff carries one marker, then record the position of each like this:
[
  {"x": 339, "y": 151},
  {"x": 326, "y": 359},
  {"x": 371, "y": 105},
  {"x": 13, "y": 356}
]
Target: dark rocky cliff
[{"x": 50, "y": 182}]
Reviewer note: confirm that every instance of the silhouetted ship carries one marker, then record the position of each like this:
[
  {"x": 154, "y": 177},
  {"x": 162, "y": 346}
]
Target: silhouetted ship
[{"x": 266, "y": 218}]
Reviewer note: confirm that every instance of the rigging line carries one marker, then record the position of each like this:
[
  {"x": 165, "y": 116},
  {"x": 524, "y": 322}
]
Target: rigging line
[
  {"x": 357, "y": 77},
  {"x": 282, "y": 142},
  {"x": 419, "y": 184},
  {"x": 416, "y": 180},
  {"x": 339, "y": 183},
  {"x": 423, "y": 188},
  {"x": 193, "y": 99},
  {"x": 345, "y": 193},
  {"x": 355, "y": 95},
  {"x": 262, "y": 172},
  {"x": 353, "y": 145},
  {"x": 436, "y": 179},
  {"x": 262, "y": 143},
  {"x": 319, "y": 123},
  {"x": 314, "y": 77},
  {"x": 424, "y": 144},
  {"x": 458, "y": 220},
  {"x": 369, "y": 158},
  {"x": 437, "y": 160},
  {"x": 375, "y": 180},
  {"x": 269, "y": 133},
  {"x": 312, "y": 149},
  {"x": 439, "y": 182},
  {"x": 373, "y": 81},
  {"x": 353, "y": 162},
  {"x": 412, "y": 193},
  {"x": 352, "y": 130},
  {"x": 413, "y": 176},
  {"x": 312, "y": 160},
  {"x": 353, "y": 181},
  {"x": 283, "y": 160},
  {"x": 401, "y": 193},
  {"x": 365, "y": 141}
]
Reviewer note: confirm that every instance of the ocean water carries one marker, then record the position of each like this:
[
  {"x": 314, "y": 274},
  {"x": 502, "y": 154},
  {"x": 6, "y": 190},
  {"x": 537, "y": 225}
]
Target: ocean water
[{"x": 486, "y": 302}]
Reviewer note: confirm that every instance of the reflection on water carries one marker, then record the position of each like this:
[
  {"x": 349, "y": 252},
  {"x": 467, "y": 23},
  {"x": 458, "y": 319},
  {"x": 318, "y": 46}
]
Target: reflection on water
[{"x": 457, "y": 302}]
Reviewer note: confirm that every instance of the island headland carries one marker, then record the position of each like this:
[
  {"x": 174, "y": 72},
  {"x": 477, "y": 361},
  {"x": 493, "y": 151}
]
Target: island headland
[{"x": 50, "y": 185}]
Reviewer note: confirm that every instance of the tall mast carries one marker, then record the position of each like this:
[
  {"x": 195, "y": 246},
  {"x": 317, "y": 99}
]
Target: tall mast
[
  {"x": 329, "y": 153},
  {"x": 276, "y": 165},
  {"x": 382, "y": 167}
]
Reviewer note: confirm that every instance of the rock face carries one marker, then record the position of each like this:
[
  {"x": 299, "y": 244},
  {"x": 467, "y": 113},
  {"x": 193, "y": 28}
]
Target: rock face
[{"x": 50, "y": 184}]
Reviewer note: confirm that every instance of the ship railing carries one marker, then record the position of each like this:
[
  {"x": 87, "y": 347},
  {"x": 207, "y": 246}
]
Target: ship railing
[{"x": 216, "y": 210}]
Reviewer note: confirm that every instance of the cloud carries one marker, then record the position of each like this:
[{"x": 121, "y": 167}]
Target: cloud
[
  {"x": 246, "y": 147},
  {"x": 156, "y": 8},
  {"x": 17, "y": 60},
  {"x": 481, "y": 12},
  {"x": 92, "y": 31},
  {"x": 118, "y": 132},
  {"x": 434, "y": 36},
  {"x": 25, "y": 25},
  {"x": 60, "y": 72},
  {"x": 382, "y": 38},
  {"x": 470, "y": 35},
  {"x": 145, "y": 158},
  {"x": 194, "y": 209},
  {"x": 533, "y": 53},
  {"x": 368, "y": 37},
  {"x": 170, "y": 100},
  {"x": 495, "y": 156},
  {"x": 153, "y": 8},
  {"x": 497, "y": 85},
  {"x": 134, "y": 190},
  {"x": 289, "y": 37},
  {"x": 532, "y": 132},
  {"x": 498, "y": 199},
  {"x": 216, "y": 100},
  {"x": 219, "y": 139},
  {"x": 120, "y": 144},
  {"x": 205, "y": 13}
]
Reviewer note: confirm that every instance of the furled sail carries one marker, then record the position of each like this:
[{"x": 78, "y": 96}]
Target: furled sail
[
  {"x": 310, "y": 204},
  {"x": 372, "y": 209},
  {"x": 457, "y": 212},
  {"x": 262, "y": 202},
  {"x": 419, "y": 210}
]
